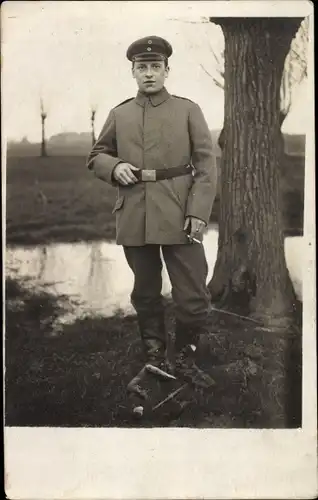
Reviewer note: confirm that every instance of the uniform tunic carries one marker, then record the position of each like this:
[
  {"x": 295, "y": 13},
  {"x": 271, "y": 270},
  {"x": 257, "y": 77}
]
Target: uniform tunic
[{"x": 155, "y": 132}]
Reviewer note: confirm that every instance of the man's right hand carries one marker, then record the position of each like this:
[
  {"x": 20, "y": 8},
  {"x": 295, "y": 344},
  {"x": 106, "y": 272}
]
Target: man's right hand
[{"x": 123, "y": 173}]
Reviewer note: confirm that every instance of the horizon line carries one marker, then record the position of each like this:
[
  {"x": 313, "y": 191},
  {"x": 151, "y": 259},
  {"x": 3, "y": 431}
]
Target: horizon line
[{"x": 30, "y": 141}]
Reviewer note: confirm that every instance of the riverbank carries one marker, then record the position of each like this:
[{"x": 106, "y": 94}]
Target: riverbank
[
  {"x": 56, "y": 199},
  {"x": 76, "y": 374}
]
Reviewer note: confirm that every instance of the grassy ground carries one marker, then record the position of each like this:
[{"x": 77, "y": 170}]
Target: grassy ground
[
  {"x": 56, "y": 199},
  {"x": 77, "y": 376}
]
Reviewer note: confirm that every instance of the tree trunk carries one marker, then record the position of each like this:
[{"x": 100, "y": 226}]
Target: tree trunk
[
  {"x": 43, "y": 142},
  {"x": 93, "y": 127},
  {"x": 250, "y": 271}
]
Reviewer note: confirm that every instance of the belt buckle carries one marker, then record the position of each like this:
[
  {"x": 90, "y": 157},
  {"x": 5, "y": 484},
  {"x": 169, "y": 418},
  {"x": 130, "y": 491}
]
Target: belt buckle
[{"x": 148, "y": 175}]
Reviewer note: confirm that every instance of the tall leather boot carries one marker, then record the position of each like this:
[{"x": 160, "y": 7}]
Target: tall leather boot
[
  {"x": 153, "y": 336},
  {"x": 186, "y": 348}
]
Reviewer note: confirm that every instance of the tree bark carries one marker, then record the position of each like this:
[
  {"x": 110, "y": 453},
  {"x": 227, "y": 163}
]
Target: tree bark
[{"x": 250, "y": 271}]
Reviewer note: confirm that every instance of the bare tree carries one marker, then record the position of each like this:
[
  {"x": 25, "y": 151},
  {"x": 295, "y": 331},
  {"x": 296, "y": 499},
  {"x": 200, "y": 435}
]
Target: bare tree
[
  {"x": 43, "y": 118},
  {"x": 93, "y": 115}
]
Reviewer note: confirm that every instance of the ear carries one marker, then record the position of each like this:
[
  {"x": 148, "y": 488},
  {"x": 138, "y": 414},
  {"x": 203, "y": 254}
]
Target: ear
[
  {"x": 167, "y": 71},
  {"x": 133, "y": 71}
]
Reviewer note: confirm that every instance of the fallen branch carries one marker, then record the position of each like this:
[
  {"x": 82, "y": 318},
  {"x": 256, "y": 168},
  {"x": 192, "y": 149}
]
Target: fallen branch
[
  {"x": 169, "y": 397},
  {"x": 236, "y": 315}
]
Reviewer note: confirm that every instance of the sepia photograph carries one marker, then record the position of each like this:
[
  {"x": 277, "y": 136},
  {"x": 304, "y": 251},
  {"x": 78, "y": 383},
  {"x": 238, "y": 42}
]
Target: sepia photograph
[{"x": 158, "y": 243}]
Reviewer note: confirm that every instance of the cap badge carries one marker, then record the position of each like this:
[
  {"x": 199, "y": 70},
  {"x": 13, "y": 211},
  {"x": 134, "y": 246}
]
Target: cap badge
[
  {"x": 150, "y": 42},
  {"x": 149, "y": 49}
]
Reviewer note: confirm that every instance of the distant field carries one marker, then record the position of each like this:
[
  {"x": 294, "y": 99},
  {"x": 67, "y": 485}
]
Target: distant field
[{"x": 58, "y": 199}]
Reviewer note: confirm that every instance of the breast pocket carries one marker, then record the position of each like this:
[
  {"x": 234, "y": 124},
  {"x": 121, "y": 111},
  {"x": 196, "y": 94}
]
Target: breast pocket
[{"x": 119, "y": 204}]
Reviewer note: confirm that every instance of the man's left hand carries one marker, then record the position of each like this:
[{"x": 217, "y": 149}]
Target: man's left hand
[{"x": 194, "y": 228}]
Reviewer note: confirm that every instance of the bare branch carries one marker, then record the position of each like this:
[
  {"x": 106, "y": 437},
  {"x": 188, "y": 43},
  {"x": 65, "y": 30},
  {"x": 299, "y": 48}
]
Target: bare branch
[
  {"x": 295, "y": 68},
  {"x": 93, "y": 108},
  {"x": 206, "y": 71},
  {"x": 215, "y": 81},
  {"x": 219, "y": 61},
  {"x": 204, "y": 20},
  {"x": 43, "y": 113}
]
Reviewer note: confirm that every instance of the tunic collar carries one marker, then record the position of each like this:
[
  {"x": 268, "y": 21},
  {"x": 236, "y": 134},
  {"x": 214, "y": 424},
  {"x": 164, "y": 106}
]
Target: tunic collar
[{"x": 155, "y": 99}]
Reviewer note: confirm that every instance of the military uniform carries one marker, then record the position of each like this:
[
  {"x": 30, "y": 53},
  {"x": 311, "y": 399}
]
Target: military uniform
[{"x": 160, "y": 132}]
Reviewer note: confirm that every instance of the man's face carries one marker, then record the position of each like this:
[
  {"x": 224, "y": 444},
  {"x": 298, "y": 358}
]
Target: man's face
[{"x": 150, "y": 75}]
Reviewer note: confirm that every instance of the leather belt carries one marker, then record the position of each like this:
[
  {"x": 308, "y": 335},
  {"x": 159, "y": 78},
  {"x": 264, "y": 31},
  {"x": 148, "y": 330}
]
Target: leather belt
[{"x": 161, "y": 174}]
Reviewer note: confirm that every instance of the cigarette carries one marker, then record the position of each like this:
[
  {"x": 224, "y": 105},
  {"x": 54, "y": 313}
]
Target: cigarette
[{"x": 193, "y": 239}]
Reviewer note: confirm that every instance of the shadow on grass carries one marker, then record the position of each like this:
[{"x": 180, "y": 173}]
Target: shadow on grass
[{"x": 77, "y": 375}]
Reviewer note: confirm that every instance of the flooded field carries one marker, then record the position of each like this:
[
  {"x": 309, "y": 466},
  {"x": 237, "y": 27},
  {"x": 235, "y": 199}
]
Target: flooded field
[{"x": 96, "y": 277}]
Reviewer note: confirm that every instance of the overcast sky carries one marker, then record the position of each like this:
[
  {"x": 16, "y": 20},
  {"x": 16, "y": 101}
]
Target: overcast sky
[{"x": 74, "y": 55}]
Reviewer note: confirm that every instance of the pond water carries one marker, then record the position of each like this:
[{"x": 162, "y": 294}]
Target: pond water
[{"x": 96, "y": 277}]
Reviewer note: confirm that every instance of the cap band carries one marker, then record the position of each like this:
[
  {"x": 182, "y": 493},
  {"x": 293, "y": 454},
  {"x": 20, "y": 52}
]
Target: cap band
[{"x": 149, "y": 57}]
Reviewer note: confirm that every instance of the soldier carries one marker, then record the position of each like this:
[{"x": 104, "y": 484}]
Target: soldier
[{"x": 156, "y": 149}]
